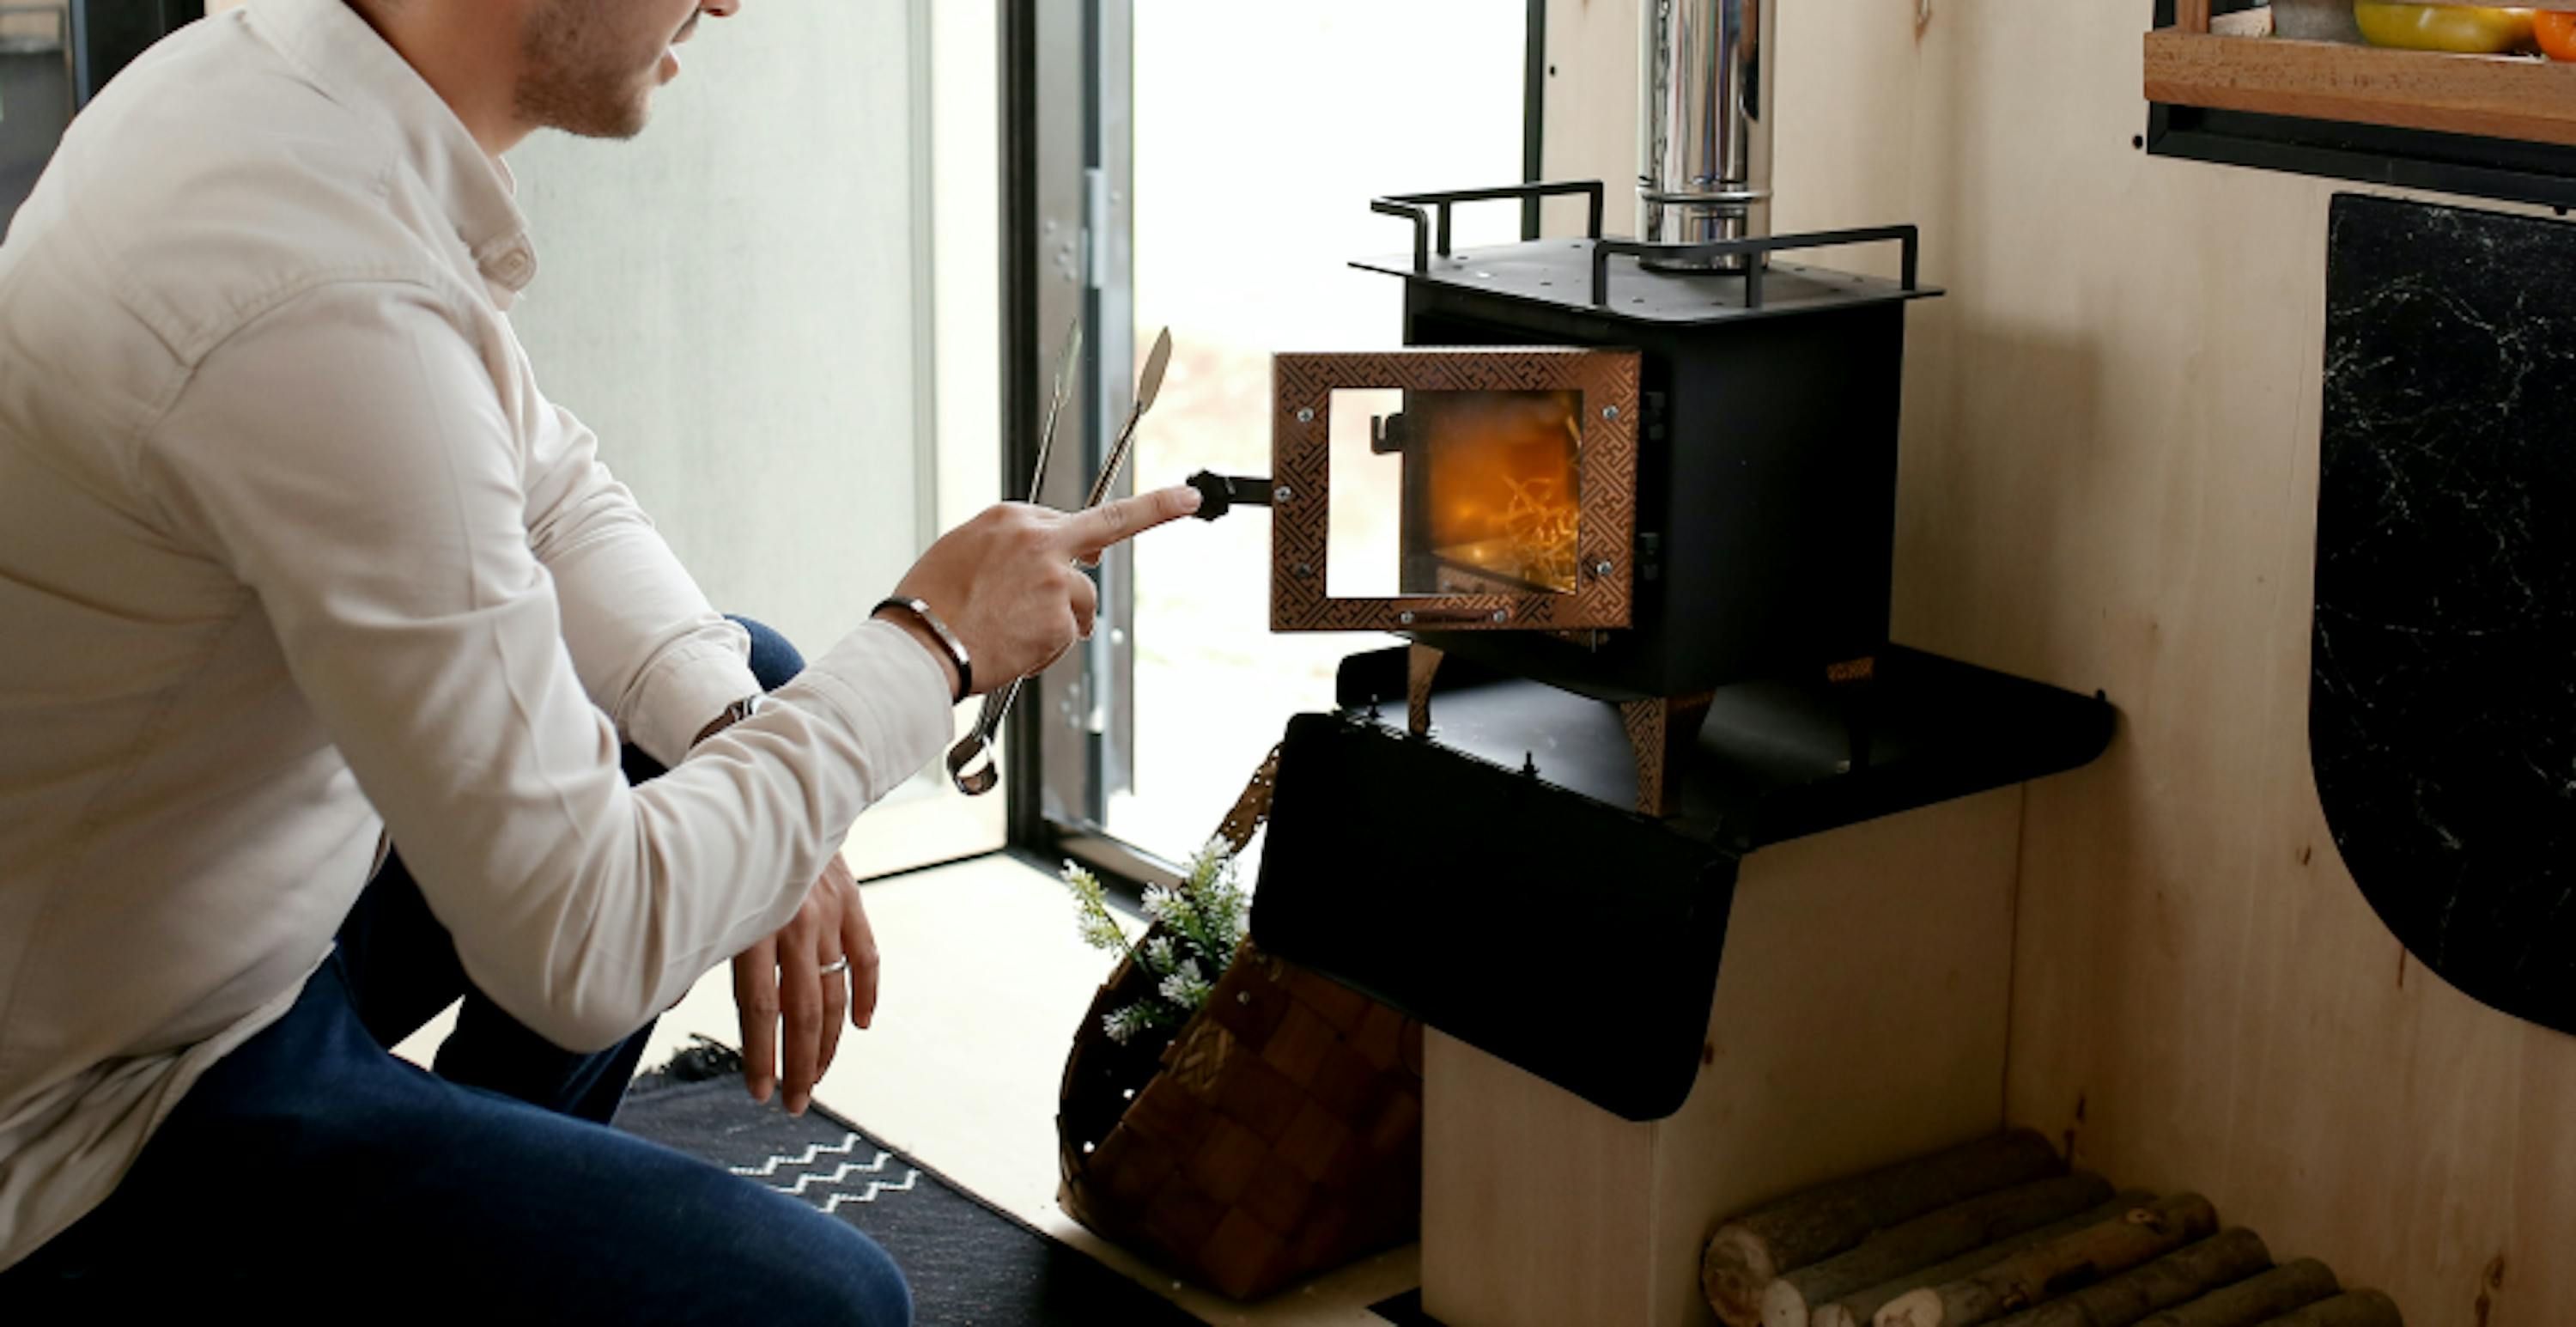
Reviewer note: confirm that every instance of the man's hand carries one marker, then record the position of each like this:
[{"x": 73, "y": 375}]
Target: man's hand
[
  {"x": 1006, "y": 582},
  {"x": 781, "y": 981}
]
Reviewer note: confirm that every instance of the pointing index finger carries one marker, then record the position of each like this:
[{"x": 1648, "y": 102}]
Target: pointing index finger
[{"x": 1125, "y": 518}]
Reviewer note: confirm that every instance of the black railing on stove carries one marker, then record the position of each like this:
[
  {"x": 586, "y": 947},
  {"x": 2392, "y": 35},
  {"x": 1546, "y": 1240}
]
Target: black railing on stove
[
  {"x": 1604, "y": 250},
  {"x": 1411, "y": 208},
  {"x": 1430, "y": 213}
]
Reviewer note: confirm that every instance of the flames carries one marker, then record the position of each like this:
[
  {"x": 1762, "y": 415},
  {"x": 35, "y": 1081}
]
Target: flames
[{"x": 1504, "y": 499}]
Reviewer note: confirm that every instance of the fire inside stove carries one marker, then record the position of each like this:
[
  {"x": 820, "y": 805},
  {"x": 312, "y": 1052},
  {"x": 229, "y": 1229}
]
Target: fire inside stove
[{"x": 1483, "y": 487}]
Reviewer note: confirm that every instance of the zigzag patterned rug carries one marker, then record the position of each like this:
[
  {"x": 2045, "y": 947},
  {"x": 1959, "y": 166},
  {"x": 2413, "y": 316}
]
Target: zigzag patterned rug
[{"x": 970, "y": 1264}]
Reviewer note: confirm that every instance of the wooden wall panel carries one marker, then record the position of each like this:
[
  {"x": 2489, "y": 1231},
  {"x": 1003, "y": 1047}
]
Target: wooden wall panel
[{"x": 2109, "y": 481}]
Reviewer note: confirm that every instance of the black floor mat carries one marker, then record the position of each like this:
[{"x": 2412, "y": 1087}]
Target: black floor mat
[{"x": 970, "y": 1265}]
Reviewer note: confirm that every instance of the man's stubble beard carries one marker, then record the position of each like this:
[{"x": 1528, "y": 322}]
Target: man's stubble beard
[{"x": 572, "y": 78}]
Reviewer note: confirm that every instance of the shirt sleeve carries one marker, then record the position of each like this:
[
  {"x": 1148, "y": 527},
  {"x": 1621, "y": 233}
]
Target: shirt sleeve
[
  {"x": 349, "y": 458},
  {"x": 649, "y": 648}
]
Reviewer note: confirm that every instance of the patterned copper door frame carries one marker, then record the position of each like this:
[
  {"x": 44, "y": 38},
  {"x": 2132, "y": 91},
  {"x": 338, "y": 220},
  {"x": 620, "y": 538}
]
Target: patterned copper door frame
[{"x": 1301, "y": 468}]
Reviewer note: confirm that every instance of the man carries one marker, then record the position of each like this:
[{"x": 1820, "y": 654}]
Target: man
[{"x": 293, "y": 551}]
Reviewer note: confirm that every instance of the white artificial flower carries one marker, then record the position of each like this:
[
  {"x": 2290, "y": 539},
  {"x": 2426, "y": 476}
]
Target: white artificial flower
[{"x": 1185, "y": 986}]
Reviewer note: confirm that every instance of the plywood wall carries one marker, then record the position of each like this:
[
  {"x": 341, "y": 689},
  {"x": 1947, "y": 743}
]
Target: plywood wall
[{"x": 2109, "y": 481}]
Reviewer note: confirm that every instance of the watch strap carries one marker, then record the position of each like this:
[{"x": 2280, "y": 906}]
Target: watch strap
[{"x": 733, "y": 714}]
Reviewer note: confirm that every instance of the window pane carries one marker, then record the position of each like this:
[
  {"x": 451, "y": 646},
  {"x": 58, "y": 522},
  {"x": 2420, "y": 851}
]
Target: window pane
[
  {"x": 35, "y": 94},
  {"x": 1364, "y": 518},
  {"x": 732, "y": 301},
  {"x": 1260, "y": 136},
  {"x": 740, "y": 302}
]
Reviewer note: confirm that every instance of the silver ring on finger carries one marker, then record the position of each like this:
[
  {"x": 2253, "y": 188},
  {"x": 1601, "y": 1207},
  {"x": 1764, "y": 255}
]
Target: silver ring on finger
[{"x": 836, "y": 966}]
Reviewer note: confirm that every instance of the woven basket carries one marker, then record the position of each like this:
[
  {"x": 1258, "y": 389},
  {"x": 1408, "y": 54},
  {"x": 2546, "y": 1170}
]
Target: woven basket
[{"x": 1277, "y": 1135}]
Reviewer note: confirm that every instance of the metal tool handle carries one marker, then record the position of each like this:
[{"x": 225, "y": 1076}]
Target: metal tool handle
[{"x": 972, "y": 778}]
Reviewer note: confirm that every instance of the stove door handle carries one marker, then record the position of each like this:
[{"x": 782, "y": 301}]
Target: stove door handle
[{"x": 1219, "y": 494}]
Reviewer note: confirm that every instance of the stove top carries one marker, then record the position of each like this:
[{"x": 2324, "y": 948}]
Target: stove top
[{"x": 1558, "y": 273}]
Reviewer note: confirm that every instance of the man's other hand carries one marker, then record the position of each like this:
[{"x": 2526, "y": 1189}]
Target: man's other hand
[
  {"x": 1007, "y": 584},
  {"x": 780, "y": 983}
]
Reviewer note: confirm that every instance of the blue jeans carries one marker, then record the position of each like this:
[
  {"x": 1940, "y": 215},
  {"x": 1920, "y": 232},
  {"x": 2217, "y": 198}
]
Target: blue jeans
[{"x": 311, "y": 1175}]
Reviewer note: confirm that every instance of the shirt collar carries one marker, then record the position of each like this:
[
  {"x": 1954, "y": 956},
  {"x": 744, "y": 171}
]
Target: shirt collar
[{"x": 343, "y": 57}]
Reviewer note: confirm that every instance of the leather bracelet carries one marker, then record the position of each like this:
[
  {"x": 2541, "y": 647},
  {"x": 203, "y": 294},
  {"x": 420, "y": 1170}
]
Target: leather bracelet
[{"x": 939, "y": 631}]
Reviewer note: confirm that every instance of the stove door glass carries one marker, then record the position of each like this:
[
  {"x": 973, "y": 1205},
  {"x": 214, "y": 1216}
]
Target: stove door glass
[
  {"x": 1454, "y": 492},
  {"x": 1453, "y": 489},
  {"x": 1496, "y": 492}
]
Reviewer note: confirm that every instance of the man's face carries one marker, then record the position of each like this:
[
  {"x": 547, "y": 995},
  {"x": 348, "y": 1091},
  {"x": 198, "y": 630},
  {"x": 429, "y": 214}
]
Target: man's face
[{"x": 590, "y": 66}]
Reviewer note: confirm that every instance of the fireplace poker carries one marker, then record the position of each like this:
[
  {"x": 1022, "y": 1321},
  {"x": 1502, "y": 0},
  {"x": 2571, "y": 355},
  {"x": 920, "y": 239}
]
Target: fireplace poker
[{"x": 970, "y": 762}]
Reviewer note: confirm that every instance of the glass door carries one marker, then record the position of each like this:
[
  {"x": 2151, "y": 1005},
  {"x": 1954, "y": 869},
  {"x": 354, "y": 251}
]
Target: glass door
[
  {"x": 1236, "y": 149},
  {"x": 35, "y": 94},
  {"x": 54, "y": 54}
]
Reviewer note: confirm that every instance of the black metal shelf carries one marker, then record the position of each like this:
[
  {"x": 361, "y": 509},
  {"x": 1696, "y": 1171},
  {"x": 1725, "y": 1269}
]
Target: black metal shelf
[
  {"x": 1775, "y": 760},
  {"x": 1492, "y": 880}
]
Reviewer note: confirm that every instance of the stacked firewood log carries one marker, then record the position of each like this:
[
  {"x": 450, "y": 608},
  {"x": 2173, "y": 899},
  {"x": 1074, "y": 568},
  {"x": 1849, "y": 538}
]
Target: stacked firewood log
[{"x": 1996, "y": 1232}]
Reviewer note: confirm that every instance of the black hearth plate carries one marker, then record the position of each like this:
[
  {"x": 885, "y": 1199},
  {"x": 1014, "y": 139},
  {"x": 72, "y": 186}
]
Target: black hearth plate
[
  {"x": 2442, "y": 701},
  {"x": 1775, "y": 760}
]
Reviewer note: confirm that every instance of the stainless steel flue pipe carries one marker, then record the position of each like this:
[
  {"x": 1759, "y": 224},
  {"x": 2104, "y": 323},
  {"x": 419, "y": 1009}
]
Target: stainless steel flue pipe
[{"x": 1706, "y": 122}]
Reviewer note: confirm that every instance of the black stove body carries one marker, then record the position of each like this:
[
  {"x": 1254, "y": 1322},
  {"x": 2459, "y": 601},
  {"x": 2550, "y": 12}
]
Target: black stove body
[{"x": 1765, "y": 500}]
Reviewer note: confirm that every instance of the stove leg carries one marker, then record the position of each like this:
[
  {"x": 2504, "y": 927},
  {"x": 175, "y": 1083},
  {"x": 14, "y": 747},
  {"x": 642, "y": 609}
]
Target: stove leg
[
  {"x": 1662, "y": 731},
  {"x": 1421, "y": 663},
  {"x": 1854, "y": 684}
]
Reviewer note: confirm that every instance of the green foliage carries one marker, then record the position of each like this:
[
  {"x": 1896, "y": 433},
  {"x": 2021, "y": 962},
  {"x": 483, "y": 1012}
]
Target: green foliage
[
  {"x": 1204, "y": 919},
  {"x": 1091, "y": 910}
]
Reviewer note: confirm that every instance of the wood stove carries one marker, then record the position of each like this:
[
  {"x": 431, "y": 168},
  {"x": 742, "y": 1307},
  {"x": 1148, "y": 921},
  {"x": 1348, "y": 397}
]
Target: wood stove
[
  {"x": 1662, "y": 475},
  {"x": 1624, "y": 469},
  {"x": 1636, "y": 470}
]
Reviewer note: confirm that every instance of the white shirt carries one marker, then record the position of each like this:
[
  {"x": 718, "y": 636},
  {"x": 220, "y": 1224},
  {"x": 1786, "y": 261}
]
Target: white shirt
[{"x": 292, "y": 549}]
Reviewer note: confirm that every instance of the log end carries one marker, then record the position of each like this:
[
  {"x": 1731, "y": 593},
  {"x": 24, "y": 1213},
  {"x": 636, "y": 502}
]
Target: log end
[
  {"x": 1914, "y": 1308},
  {"x": 1784, "y": 1306},
  {"x": 1735, "y": 1272}
]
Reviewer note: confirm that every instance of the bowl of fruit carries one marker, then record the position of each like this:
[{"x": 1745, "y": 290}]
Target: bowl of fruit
[{"x": 2467, "y": 29}]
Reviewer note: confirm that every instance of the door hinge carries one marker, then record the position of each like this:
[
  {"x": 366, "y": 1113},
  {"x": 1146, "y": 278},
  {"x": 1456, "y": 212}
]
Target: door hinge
[{"x": 1095, "y": 226}]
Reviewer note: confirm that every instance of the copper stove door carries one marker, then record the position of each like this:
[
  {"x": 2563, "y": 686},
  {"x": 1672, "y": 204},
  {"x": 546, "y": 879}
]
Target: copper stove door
[{"x": 1453, "y": 489}]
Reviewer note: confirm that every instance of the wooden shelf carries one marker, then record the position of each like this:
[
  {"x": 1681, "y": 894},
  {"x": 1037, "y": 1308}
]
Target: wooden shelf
[{"x": 2510, "y": 97}]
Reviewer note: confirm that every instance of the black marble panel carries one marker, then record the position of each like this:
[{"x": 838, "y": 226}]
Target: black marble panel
[{"x": 2442, "y": 709}]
